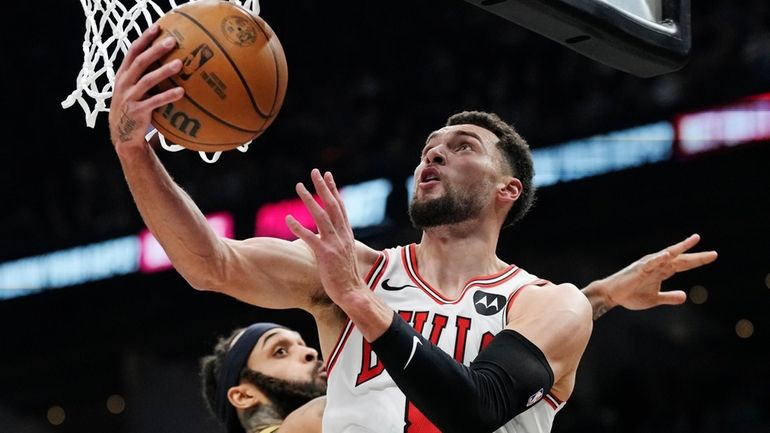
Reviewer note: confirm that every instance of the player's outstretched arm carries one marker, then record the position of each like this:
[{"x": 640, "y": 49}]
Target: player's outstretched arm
[
  {"x": 638, "y": 285},
  {"x": 266, "y": 272}
]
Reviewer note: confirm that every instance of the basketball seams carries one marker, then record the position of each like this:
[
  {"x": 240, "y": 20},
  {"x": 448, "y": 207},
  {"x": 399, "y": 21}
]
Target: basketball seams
[
  {"x": 275, "y": 63},
  {"x": 215, "y": 117},
  {"x": 175, "y": 82},
  {"x": 235, "y": 67},
  {"x": 169, "y": 133},
  {"x": 200, "y": 123}
]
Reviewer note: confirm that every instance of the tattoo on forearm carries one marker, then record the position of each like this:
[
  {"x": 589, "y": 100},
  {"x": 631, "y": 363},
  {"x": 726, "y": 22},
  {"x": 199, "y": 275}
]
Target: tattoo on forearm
[
  {"x": 126, "y": 126},
  {"x": 599, "y": 310}
]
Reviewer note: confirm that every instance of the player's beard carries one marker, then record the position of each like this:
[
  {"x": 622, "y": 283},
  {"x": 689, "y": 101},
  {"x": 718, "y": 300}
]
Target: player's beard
[
  {"x": 286, "y": 396},
  {"x": 450, "y": 208}
]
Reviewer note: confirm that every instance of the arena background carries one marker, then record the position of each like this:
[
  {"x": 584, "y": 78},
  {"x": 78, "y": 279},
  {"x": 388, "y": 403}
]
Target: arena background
[{"x": 368, "y": 81}]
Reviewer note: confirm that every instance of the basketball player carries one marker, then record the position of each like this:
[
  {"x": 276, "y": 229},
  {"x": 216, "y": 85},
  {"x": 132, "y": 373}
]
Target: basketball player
[
  {"x": 450, "y": 287},
  {"x": 262, "y": 378}
]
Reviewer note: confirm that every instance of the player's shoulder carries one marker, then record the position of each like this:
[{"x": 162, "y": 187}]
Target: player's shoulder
[
  {"x": 366, "y": 255},
  {"x": 305, "y": 419},
  {"x": 552, "y": 296}
]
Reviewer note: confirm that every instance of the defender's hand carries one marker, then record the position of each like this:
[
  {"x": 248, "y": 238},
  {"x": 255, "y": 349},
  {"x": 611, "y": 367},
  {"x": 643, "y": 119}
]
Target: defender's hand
[{"x": 638, "y": 286}]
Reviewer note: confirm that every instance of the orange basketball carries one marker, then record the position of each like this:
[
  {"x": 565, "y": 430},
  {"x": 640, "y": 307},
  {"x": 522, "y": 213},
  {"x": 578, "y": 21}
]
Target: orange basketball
[{"x": 234, "y": 74}]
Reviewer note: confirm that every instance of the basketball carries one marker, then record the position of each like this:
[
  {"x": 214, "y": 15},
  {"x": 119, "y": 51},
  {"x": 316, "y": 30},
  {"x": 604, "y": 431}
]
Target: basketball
[{"x": 233, "y": 72}]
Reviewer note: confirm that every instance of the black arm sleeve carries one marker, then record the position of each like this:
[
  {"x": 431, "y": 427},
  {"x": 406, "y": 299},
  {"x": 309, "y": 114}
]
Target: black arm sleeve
[{"x": 506, "y": 378}]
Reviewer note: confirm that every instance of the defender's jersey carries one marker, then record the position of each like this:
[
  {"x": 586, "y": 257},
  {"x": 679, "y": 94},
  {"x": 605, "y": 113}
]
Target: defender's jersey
[{"x": 362, "y": 397}]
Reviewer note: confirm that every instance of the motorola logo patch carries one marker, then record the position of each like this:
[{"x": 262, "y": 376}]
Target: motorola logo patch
[{"x": 488, "y": 304}]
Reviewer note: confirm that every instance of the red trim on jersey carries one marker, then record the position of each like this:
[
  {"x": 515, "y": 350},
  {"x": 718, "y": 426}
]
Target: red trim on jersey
[
  {"x": 383, "y": 256},
  {"x": 373, "y": 277},
  {"x": 341, "y": 340},
  {"x": 540, "y": 283},
  {"x": 496, "y": 283},
  {"x": 409, "y": 260},
  {"x": 552, "y": 401},
  {"x": 512, "y": 296}
]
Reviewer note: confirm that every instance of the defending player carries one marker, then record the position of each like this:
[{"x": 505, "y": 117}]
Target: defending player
[{"x": 263, "y": 378}]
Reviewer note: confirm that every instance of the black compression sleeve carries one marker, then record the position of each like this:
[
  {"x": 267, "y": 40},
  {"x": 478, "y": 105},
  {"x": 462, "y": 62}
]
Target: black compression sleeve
[{"x": 506, "y": 378}]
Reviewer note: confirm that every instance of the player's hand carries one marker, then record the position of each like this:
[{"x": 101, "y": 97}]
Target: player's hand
[
  {"x": 638, "y": 286},
  {"x": 334, "y": 245},
  {"x": 131, "y": 106}
]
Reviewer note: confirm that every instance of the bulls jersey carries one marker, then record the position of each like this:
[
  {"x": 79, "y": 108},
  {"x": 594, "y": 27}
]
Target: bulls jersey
[{"x": 362, "y": 397}]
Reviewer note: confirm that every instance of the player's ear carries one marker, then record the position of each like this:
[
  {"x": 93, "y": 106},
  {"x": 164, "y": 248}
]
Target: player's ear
[
  {"x": 509, "y": 189},
  {"x": 245, "y": 396}
]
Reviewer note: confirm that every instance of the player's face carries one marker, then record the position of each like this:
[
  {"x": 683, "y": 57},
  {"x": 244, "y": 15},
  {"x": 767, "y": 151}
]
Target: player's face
[
  {"x": 282, "y": 354},
  {"x": 455, "y": 180}
]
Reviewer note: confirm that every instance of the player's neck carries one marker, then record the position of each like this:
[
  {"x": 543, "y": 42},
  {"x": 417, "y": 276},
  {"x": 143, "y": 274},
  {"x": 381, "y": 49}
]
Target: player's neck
[
  {"x": 447, "y": 261},
  {"x": 264, "y": 416}
]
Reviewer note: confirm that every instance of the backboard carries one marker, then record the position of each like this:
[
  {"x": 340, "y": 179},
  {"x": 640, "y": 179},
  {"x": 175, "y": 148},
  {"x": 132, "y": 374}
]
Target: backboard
[{"x": 644, "y": 38}]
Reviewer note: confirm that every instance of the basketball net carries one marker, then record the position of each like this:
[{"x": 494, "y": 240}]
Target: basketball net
[{"x": 111, "y": 26}]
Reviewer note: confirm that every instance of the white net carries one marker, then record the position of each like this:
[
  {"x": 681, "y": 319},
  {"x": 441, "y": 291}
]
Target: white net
[{"x": 111, "y": 26}]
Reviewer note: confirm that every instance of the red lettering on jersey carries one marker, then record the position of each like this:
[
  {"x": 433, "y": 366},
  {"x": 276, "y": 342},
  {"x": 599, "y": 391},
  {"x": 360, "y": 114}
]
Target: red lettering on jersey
[
  {"x": 406, "y": 315},
  {"x": 420, "y": 318},
  {"x": 485, "y": 340},
  {"x": 439, "y": 323},
  {"x": 368, "y": 371},
  {"x": 416, "y": 422},
  {"x": 463, "y": 326}
]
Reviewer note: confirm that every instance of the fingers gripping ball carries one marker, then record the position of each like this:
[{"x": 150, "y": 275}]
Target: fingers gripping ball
[{"x": 233, "y": 72}]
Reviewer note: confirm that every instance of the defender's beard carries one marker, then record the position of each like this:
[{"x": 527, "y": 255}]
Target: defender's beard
[{"x": 286, "y": 396}]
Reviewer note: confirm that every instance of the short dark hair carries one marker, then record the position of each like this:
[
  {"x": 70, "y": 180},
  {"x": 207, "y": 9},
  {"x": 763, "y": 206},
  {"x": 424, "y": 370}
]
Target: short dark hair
[
  {"x": 210, "y": 366},
  {"x": 516, "y": 152}
]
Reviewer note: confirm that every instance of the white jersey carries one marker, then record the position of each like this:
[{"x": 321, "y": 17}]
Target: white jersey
[{"x": 362, "y": 397}]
